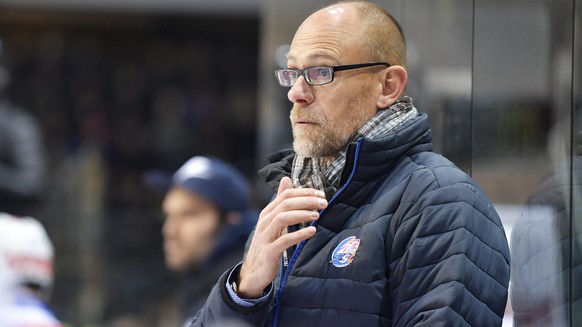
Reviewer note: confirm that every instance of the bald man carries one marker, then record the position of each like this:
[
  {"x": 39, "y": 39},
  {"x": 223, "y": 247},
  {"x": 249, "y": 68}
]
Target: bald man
[{"x": 368, "y": 227}]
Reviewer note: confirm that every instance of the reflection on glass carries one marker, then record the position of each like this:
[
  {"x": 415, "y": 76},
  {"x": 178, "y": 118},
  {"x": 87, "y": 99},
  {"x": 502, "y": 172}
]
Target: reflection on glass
[
  {"x": 576, "y": 275},
  {"x": 540, "y": 252},
  {"x": 521, "y": 146}
]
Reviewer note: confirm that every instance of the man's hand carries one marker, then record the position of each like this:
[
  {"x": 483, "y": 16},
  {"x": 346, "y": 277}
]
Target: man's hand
[{"x": 291, "y": 206}]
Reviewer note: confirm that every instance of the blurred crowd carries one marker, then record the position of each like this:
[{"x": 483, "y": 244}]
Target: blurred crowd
[{"x": 114, "y": 96}]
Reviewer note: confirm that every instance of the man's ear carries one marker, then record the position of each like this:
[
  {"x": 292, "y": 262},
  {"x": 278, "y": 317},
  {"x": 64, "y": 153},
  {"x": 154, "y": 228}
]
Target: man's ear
[{"x": 394, "y": 80}]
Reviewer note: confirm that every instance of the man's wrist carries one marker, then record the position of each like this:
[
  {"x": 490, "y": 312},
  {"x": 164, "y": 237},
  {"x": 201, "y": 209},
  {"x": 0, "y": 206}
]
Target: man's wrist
[
  {"x": 232, "y": 287},
  {"x": 242, "y": 287},
  {"x": 243, "y": 292}
]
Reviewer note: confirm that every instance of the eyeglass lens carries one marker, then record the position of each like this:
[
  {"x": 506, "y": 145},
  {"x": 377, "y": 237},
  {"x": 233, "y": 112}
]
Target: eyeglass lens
[
  {"x": 286, "y": 77},
  {"x": 313, "y": 75},
  {"x": 318, "y": 75}
]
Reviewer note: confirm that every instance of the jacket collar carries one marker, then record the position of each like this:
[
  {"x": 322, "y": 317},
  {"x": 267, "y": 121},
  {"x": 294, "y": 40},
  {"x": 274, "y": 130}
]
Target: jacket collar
[{"x": 375, "y": 157}]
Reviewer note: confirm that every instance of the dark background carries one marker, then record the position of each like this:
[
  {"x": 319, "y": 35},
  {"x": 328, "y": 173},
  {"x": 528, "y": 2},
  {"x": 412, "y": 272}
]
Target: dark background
[{"x": 115, "y": 95}]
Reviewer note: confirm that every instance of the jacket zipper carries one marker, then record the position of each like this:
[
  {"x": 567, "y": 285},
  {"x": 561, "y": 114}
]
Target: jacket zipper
[{"x": 284, "y": 271}]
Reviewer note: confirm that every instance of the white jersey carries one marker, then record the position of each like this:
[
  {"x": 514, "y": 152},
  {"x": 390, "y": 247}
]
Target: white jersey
[
  {"x": 25, "y": 255},
  {"x": 26, "y": 311},
  {"x": 27, "y": 317}
]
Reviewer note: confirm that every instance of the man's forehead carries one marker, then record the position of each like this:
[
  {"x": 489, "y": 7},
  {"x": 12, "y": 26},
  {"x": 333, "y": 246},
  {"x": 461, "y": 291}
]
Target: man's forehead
[
  {"x": 310, "y": 55},
  {"x": 182, "y": 195},
  {"x": 331, "y": 33}
]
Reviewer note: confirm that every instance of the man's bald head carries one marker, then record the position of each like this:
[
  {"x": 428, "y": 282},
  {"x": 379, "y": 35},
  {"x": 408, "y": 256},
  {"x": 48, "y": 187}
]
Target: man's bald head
[{"x": 380, "y": 34}]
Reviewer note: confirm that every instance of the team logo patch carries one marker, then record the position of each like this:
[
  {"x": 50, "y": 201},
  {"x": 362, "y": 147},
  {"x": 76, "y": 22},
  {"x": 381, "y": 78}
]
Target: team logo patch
[{"x": 345, "y": 252}]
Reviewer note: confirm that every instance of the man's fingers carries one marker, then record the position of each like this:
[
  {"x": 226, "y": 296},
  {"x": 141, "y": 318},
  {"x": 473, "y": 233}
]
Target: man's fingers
[
  {"x": 289, "y": 218},
  {"x": 293, "y": 211},
  {"x": 284, "y": 184},
  {"x": 287, "y": 191},
  {"x": 301, "y": 203},
  {"x": 290, "y": 239}
]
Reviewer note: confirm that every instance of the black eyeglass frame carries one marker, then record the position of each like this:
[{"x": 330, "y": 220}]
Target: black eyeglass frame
[{"x": 301, "y": 72}]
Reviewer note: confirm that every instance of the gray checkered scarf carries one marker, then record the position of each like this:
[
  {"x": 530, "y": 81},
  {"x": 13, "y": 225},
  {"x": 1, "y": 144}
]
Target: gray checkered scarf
[{"x": 318, "y": 174}]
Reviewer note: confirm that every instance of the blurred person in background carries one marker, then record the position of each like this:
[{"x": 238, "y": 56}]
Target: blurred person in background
[
  {"x": 547, "y": 238},
  {"x": 208, "y": 217},
  {"x": 21, "y": 154},
  {"x": 26, "y": 273}
]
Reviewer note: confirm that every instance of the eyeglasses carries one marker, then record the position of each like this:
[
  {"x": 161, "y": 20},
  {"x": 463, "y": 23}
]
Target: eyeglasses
[{"x": 318, "y": 75}]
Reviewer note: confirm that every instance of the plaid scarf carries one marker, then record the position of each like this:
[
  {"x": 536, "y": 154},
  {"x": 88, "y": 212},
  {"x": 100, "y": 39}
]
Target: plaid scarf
[{"x": 318, "y": 174}]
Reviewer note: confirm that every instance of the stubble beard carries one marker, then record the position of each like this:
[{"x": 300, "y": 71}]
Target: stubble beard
[{"x": 329, "y": 136}]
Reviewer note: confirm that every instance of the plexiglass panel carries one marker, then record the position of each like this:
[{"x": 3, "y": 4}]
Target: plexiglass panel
[
  {"x": 439, "y": 40},
  {"x": 521, "y": 145},
  {"x": 576, "y": 245}
]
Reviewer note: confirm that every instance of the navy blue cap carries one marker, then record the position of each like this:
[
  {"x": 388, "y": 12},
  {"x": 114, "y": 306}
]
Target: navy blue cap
[{"x": 210, "y": 178}]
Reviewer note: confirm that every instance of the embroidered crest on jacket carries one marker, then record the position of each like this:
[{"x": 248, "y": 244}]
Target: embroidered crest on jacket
[{"x": 345, "y": 252}]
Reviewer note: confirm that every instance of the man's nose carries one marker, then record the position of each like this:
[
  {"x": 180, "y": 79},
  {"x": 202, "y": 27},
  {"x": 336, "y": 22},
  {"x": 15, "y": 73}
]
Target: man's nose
[
  {"x": 300, "y": 92},
  {"x": 170, "y": 226}
]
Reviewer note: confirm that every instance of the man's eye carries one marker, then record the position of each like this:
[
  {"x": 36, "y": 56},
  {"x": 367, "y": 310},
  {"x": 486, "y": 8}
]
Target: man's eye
[{"x": 318, "y": 72}]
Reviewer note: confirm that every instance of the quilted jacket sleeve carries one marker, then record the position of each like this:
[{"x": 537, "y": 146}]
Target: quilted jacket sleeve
[
  {"x": 449, "y": 263},
  {"x": 221, "y": 310}
]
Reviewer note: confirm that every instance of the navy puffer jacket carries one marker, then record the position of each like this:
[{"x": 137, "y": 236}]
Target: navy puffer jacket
[{"x": 408, "y": 240}]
